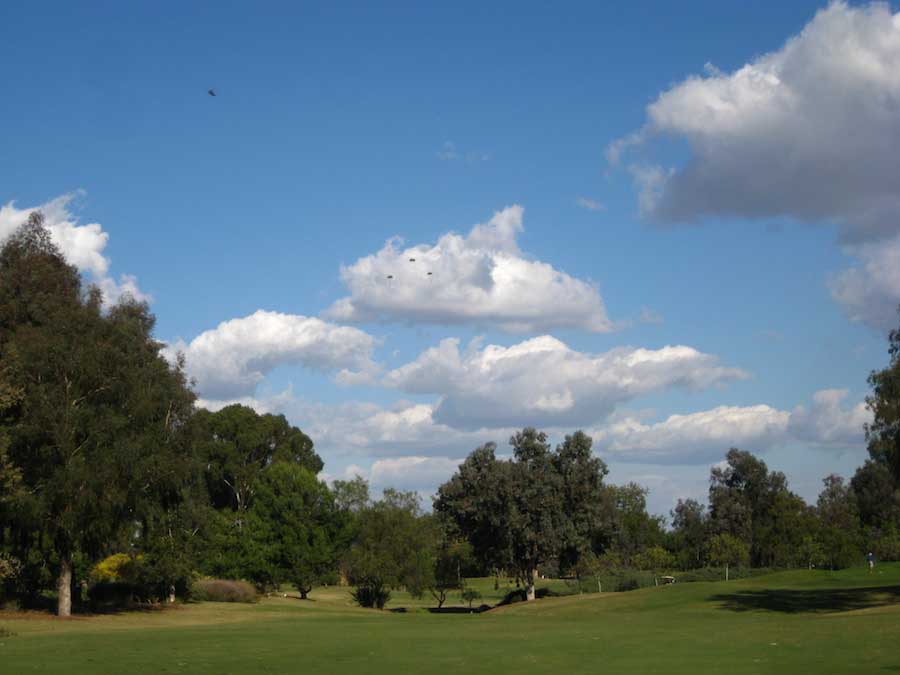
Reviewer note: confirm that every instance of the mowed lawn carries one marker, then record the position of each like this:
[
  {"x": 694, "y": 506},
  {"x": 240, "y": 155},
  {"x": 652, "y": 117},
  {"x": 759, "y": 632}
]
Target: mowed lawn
[{"x": 793, "y": 622}]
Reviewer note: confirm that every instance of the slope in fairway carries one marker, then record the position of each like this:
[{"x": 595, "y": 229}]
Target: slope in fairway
[{"x": 793, "y": 622}]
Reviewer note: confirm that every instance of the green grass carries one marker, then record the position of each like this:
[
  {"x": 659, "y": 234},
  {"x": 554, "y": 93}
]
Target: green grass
[{"x": 792, "y": 622}]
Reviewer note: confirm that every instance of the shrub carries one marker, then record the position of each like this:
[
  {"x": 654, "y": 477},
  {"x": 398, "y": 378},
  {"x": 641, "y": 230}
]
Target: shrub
[
  {"x": 374, "y": 595},
  {"x": 223, "y": 590},
  {"x": 515, "y": 595},
  {"x": 117, "y": 567},
  {"x": 5, "y": 633},
  {"x": 112, "y": 595},
  {"x": 628, "y": 584}
]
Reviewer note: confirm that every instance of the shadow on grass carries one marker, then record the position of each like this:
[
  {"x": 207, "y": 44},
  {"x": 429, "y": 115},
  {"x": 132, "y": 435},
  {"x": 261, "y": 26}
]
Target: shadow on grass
[{"x": 799, "y": 602}]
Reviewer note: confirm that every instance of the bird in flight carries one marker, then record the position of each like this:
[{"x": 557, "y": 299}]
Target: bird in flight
[{"x": 211, "y": 92}]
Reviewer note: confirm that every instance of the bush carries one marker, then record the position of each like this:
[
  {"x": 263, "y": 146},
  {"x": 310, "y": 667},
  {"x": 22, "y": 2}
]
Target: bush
[
  {"x": 515, "y": 595},
  {"x": 117, "y": 567},
  {"x": 112, "y": 595},
  {"x": 628, "y": 584},
  {"x": 375, "y": 595},
  {"x": 5, "y": 633},
  {"x": 223, "y": 590}
]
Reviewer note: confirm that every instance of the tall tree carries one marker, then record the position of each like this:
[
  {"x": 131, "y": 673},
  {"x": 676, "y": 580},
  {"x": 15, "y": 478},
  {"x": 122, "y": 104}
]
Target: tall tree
[
  {"x": 689, "y": 532},
  {"x": 238, "y": 444},
  {"x": 520, "y": 513},
  {"x": 394, "y": 547},
  {"x": 839, "y": 523},
  {"x": 883, "y": 433},
  {"x": 100, "y": 408},
  {"x": 582, "y": 477},
  {"x": 742, "y": 497}
]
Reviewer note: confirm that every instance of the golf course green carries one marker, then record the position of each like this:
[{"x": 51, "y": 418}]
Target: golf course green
[{"x": 790, "y": 622}]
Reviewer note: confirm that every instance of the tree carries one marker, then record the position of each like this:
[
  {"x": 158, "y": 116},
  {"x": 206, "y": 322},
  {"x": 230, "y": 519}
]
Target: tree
[
  {"x": 102, "y": 412},
  {"x": 450, "y": 558},
  {"x": 293, "y": 529},
  {"x": 237, "y": 444},
  {"x": 725, "y": 550},
  {"x": 351, "y": 496},
  {"x": 877, "y": 496},
  {"x": 512, "y": 512},
  {"x": 394, "y": 548},
  {"x": 883, "y": 433},
  {"x": 654, "y": 559},
  {"x": 689, "y": 531},
  {"x": 582, "y": 477},
  {"x": 839, "y": 531},
  {"x": 626, "y": 527},
  {"x": 742, "y": 495}
]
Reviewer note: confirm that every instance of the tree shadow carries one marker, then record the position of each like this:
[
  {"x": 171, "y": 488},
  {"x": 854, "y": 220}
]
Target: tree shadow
[{"x": 799, "y": 602}]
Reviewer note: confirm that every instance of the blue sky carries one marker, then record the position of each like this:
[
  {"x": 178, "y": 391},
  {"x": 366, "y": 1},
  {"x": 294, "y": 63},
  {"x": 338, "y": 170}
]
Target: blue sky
[{"x": 735, "y": 223}]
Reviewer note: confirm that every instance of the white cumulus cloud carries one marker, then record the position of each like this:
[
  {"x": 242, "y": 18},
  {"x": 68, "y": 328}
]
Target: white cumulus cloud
[
  {"x": 810, "y": 131},
  {"x": 480, "y": 278},
  {"x": 229, "y": 361},
  {"x": 543, "y": 382},
  {"x": 82, "y": 245},
  {"x": 694, "y": 438},
  {"x": 702, "y": 437}
]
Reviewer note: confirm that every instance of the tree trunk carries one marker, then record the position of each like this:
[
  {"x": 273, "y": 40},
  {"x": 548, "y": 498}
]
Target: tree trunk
[
  {"x": 64, "y": 588},
  {"x": 529, "y": 584},
  {"x": 726, "y": 571},
  {"x": 303, "y": 593}
]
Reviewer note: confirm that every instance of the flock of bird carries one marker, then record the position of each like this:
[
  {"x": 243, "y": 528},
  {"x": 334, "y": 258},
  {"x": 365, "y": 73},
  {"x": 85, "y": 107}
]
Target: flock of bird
[
  {"x": 412, "y": 260},
  {"x": 212, "y": 92}
]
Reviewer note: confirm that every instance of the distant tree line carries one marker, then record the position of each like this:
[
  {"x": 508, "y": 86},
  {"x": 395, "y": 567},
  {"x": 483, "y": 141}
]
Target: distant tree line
[{"x": 113, "y": 481}]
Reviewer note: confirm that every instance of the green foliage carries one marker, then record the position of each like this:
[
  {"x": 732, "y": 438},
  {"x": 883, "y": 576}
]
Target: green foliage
[
  {"x": 654, "y": 559},
  {"x": 725, "y": 550},
  {"x": 470, "y": 595},
  {"x": 236, "y": 444},
  {"x": 626, "y": 528},
  {"x": 689, "y": 531},
  {"x": 883, "y": 433},
  {"x": 293, "y": 530},
  {"x": 393, "y": 548},
  {"x": 521, "y": 513},
  {"x": 371, "y": 594},
  {"x": 839, "y": 532},
  {"x": 451, "y": 557},
  {"x": 99, "y": 426},
  {"x": 223, "y": 590}
]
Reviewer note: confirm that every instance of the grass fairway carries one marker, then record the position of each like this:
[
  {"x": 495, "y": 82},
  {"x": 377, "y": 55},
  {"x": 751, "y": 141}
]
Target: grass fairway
[{"x": 792, "y": 622}]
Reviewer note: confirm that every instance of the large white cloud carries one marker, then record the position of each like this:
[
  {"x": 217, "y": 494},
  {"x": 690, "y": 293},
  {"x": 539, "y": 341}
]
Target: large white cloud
[
  {"x": 703, "y": 437},
  {"x": 696, "y": 437},
  {"x": 82, "y": 245},
  {"x": 480, "y": 278},
  {"x": 810, "y": 131},
  {"x": 543, "y": 382},
  {"x": 229, "y": 361}
]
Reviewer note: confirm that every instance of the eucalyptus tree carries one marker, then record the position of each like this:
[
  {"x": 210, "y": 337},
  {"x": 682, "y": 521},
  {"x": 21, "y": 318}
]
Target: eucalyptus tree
[{"x": 100, "y": 413}]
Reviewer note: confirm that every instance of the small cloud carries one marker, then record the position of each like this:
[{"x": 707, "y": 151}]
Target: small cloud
[
  {"x": 648, "y": 315},
  {"x": 448, "y": 152},
  {"x": 590, "y": 204}
]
